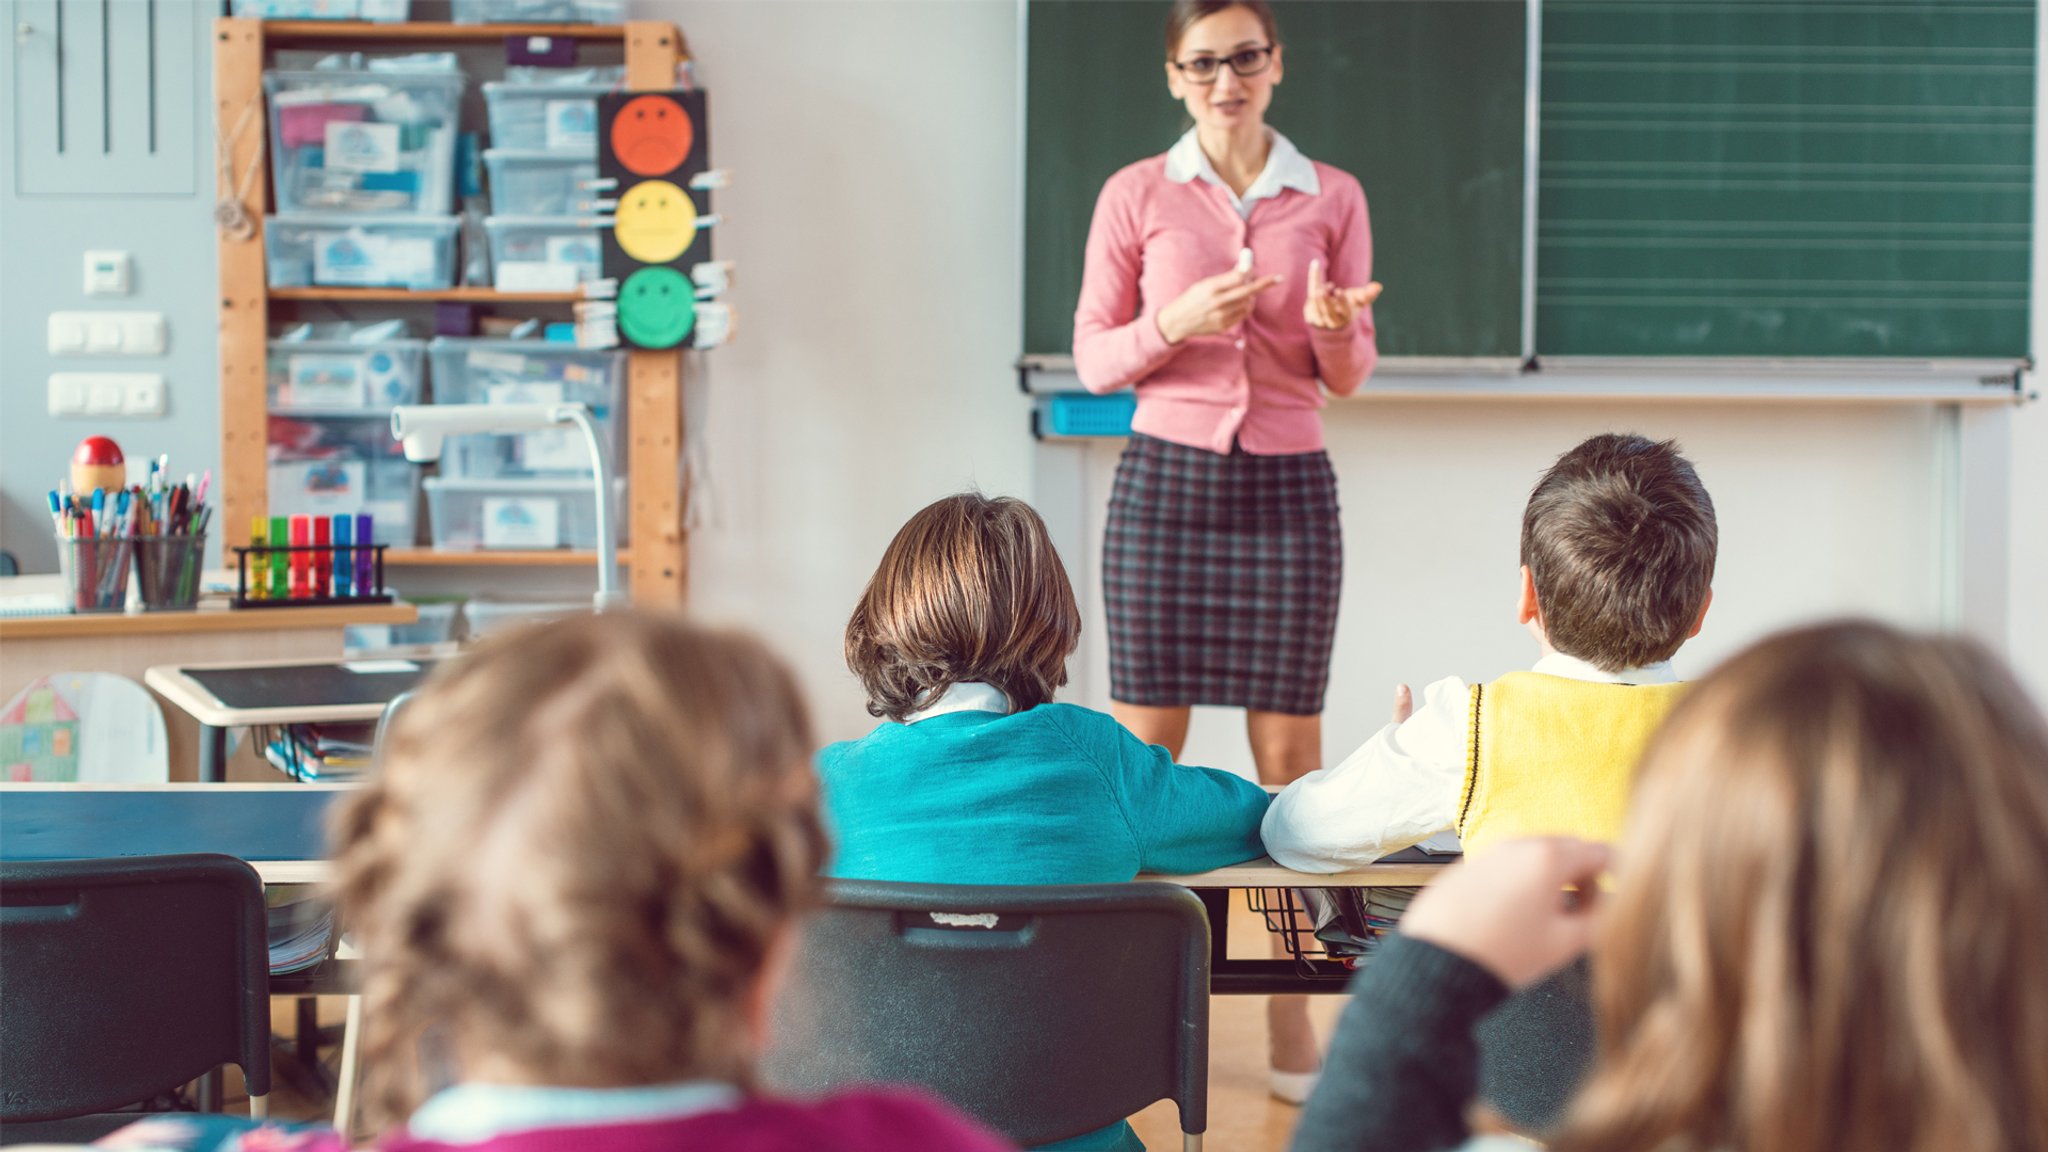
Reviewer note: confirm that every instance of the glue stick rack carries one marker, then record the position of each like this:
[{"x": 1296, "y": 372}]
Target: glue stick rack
[{"x": 265, "y": 560}]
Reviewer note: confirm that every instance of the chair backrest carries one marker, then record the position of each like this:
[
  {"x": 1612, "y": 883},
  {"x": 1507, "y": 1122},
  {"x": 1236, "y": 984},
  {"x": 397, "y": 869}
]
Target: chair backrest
[
  {"x": 84, "y": 727},
  {"x": 124, "y": 978},
  {"x": 1044, "y": 1012}
]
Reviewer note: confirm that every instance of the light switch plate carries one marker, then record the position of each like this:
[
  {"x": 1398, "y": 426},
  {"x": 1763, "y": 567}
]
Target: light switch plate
[
  {"x": 106, "y": 394},
  {"x": 107, "y": 273},
  {"x": 67, "y": 333},
  {"x": 108, "y": 333}
]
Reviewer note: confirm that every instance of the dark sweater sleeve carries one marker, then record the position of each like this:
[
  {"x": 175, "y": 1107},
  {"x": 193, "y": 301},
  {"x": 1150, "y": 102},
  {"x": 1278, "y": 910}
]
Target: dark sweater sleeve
[{"x": 1404, "y": 1064}]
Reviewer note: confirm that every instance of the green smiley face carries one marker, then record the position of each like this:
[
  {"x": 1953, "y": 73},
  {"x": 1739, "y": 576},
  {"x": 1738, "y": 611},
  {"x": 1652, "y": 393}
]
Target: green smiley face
[{"x": 657, "y": 307}]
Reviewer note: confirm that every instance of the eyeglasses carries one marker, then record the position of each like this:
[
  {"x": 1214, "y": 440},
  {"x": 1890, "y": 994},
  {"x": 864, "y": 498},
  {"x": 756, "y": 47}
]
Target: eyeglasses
[{"x": 1244, "y": 62}]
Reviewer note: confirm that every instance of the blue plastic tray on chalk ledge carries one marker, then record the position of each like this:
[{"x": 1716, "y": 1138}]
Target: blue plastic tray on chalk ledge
[{"x": 1084, "y": 414}]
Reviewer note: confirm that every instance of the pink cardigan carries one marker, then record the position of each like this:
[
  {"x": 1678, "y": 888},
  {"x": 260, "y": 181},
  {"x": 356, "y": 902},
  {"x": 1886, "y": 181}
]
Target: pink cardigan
[{"x": 1152, "y": 238}]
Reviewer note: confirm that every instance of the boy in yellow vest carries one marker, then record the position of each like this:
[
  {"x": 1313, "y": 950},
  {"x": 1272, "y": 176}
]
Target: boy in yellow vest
[{"x": 1618, "y": 544}]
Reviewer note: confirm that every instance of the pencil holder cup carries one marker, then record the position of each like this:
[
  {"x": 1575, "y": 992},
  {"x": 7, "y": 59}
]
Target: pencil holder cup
[
  {"x": 167, "y": 568},
  {"x": 95, "y": 573}
]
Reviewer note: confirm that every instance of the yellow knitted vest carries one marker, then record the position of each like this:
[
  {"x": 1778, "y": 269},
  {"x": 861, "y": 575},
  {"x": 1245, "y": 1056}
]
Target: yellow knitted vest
[{"x": 1550, "y": 756}]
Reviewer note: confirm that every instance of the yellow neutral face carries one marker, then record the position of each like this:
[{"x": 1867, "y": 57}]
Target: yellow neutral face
[{"x": 655, "y": 222}]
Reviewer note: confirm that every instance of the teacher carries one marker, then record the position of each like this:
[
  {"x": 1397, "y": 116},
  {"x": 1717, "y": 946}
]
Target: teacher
[{"x": 1223, "y": 556}]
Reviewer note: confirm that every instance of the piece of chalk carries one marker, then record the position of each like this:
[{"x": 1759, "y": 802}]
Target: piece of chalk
[{"x": 1244, "y": 261}]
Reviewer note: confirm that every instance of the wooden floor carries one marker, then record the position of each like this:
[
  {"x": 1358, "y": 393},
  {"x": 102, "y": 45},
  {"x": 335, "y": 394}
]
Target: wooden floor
[{"x": 1243, "y": 1117}]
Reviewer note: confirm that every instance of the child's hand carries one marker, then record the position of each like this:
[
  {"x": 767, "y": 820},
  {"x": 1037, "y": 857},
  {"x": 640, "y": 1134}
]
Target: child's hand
[
  {"x": 1508, "y": 909},
  {"x": 1404, "y": 703}
]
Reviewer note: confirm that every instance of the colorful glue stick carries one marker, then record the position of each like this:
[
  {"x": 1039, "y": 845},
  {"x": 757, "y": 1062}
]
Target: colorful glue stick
[
  {"x": 302, "y": 562},
  {"x": 366, "y": 584},
  {"x": 280, "y": 538},
  {"x": 323, "y": 558},
  {"x": 344, "y": 563}
]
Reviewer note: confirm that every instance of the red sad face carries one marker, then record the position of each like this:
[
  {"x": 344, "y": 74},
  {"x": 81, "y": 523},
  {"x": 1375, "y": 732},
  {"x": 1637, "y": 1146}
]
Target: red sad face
[{"x": 652, "y": 135}]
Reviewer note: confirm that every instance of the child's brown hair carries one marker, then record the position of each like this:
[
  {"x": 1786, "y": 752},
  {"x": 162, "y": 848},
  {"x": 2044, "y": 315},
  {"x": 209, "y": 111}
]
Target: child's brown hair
[
  {"x": 583, "y": 840},
  {"x": 1619, "y": 537},
  {"x": 1829, "y": 930},
  {"x": 971, "y": 589}
]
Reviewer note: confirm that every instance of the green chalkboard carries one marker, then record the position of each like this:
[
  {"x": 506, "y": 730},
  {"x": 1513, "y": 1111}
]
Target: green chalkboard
[
  {"x": 1422, "y": 100},
  {"x": 1785, "y": 178}
]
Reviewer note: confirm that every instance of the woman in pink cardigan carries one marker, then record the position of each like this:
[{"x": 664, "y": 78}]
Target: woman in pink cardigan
[{"x": 1224, "y": 279}]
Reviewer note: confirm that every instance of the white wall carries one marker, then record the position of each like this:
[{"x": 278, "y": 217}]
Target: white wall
[
  {"x": 873, "y": 148},
  {"x": 874, "y": 215}
]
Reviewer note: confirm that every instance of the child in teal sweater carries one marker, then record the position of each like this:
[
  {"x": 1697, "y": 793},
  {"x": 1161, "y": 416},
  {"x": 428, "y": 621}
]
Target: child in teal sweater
[{"x": 976, "y": 776}]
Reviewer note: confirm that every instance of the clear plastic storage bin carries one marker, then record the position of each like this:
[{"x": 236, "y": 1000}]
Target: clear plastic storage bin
[
  {"x": 527, "y": 372},
  {"x": 538, "y": 11},
  {"x": 488, "y": 616},
  {"x": 544, "y": 253},
  {"x": 436, "y": 625},
  {"x": 314, "y": 377},
  {"x": 544, "y": 117},
  {"x": 522, "y": 514},
  {"x": 379, "y": 11},
  {"x": 363, "y": 141},
  {"x": 530, "y": 182},
  {"x": 386, "y": 489},
  {"x": 353, "y": 251}
]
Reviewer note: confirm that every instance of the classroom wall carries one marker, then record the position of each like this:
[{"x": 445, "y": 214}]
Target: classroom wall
[
  {"x": 873, "y": 148},
  {"x": 874, "y": 215},
  {"x": 42, "y": 244}
]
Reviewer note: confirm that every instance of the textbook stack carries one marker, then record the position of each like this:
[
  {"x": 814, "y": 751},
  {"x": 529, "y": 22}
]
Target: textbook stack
[{"x": 322, "y": 753}]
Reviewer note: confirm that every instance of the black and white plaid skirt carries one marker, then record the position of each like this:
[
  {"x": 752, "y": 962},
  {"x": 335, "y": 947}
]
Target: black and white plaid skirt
[{"x": 1221, "y": 575}]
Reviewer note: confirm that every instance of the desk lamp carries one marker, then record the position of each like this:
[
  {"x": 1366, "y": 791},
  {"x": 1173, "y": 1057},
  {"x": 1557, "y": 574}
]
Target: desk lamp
[{"x": 423, "y": 427}]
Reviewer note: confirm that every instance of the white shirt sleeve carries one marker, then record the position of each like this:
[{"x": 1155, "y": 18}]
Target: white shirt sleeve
[{"x": 1401, "y": 787}]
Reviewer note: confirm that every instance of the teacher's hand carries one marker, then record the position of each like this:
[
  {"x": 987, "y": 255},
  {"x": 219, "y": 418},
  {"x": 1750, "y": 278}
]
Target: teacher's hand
[
  {"x": 1329, "y": 306},
  {"x": 1216, "y": 304}
]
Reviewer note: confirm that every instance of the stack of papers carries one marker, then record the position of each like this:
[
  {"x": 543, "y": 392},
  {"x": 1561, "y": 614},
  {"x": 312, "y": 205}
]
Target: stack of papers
[
  {"x": 322, "y": 752},
  {"x": 300, "y": 930}
]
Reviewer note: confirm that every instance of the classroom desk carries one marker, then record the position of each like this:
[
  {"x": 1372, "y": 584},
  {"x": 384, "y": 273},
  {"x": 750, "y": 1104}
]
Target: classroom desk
[
  {"x": 280, "y": 830},
  {"x": 128, "y": 644},
  {"x": 265, "y": 692}
]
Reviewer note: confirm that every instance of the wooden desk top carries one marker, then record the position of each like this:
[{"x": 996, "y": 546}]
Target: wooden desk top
[{"x": 210, "y": 616}]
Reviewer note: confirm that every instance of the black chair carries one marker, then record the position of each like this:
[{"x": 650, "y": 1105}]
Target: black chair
[
  {"x": 124, "y": 979},
  {"x": 1043, "y": 1012}
]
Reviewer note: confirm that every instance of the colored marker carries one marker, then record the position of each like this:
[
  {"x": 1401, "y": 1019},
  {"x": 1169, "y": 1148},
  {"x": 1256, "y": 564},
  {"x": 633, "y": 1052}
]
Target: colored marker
[
  {"x": 365, "y": 536},
  {"x": 280, "y": 539},
  {"x": 344, "y": 561},
  {"x": 323, "y": 558},
  {"x": 302, "y": 562}
]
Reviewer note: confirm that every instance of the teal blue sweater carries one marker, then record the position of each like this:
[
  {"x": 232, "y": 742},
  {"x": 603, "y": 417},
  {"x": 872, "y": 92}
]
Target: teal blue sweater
[
  {"x": 1052, "y": 795},
  {"x": 1056, "y": 794}
]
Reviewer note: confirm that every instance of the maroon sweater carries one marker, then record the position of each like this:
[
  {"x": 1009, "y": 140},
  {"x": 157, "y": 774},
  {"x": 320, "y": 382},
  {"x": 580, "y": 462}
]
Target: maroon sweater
[{"x": 865, "y": 1121}]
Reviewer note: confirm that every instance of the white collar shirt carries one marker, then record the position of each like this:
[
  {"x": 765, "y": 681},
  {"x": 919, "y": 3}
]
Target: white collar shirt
[
  {"x": 1285, "y": 168},
  {"x": 1402, "y": 786},
  {"x": 966, "y": 696}
]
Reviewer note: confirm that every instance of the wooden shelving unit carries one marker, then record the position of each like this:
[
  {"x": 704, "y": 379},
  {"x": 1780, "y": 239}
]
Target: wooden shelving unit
[
  {"x": 432, "y": 558},
  {"x": 653, "y": 459},
  {"x": 424, "y": 296},
  {"x": 413, "y": 32}
]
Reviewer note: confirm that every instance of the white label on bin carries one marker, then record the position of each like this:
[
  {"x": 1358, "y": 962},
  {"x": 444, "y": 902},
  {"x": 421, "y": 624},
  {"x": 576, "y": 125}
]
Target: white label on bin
[
  {"x": 361, "y": 146},
  {"x": 316, "y": 487},
  {"x": 497, "y": 363},
  {"x": 329, "y": 381},
  {"x": 572, "y": 123},
  {"x": 583, "y": 250},
  {"x": 366, "y": 258},
  {"x": 522, "y": 522}
]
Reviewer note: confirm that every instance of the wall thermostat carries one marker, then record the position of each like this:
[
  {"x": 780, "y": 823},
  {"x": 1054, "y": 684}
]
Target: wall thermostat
[{"x": 106, "y": 273}]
